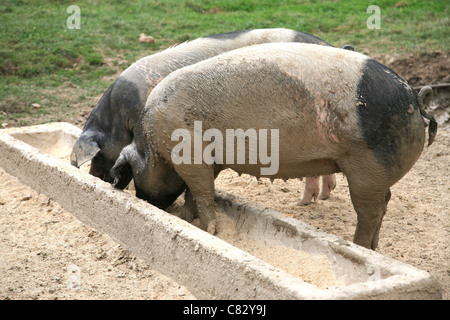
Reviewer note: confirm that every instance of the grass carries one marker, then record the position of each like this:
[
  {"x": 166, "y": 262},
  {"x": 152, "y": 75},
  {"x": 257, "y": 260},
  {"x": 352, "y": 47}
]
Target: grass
[{"x": 63, "y": 70}]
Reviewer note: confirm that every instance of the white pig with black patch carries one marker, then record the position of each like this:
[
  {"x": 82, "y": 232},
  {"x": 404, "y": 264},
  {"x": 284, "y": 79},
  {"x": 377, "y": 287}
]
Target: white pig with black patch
[{"x": 335, "y": 111}]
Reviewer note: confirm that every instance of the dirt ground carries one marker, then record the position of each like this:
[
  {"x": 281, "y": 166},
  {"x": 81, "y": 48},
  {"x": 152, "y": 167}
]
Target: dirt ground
[{"x": 46, "y": 253}]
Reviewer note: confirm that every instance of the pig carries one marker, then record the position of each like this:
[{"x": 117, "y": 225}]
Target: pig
[
  {"x": 331, "y": 110},
  {"x": 110, "y": 126}
]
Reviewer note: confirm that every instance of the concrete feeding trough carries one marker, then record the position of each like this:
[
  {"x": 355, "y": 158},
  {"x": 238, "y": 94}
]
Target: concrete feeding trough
[{"x": 208, "y": 266}]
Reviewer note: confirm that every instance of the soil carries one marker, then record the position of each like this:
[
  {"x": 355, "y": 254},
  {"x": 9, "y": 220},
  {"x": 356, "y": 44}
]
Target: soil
[{"x": 48, "y": 254}]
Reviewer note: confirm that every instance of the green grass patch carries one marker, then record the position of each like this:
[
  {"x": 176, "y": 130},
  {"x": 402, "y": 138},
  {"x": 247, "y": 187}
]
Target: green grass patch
[{"x": 40, "y": 58}]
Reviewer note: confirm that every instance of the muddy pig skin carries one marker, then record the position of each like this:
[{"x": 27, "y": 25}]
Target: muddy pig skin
[
  {"x": 110, "y": 126},
  {"x": 335, "y": 111}
]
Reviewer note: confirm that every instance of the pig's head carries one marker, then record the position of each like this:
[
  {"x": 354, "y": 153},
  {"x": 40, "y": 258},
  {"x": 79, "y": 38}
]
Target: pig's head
[
  {"x": 104, "y": 136},
  {"x": 155, "y": 179},
  {"x": 95, "y": 146}
]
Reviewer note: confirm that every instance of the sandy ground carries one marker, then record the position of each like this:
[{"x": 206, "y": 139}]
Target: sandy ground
[{"x": 46, "y": 253}]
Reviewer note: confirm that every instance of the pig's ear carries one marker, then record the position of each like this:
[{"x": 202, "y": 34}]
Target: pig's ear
[
  {"x": 119, "y": 166},
  {"x": 122, "y": 171},
  {"x": 84, "y": 149},
  {"x": 348, "y": 47}
]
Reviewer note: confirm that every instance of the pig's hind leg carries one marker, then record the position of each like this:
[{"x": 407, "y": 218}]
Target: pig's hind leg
[{"x": 370, "y": 194}]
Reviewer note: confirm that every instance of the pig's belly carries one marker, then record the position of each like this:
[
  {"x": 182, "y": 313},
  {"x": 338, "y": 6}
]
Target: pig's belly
[{"x": 288, "y": 170}]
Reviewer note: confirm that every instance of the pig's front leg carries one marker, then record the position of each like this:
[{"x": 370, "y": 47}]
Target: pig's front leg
[
  {"x": 200, "y": 181},
  {"x": 189, "y": 211}
]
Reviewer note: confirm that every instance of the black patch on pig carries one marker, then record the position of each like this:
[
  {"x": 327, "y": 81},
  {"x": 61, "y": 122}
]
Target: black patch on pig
[
  {"x": 97, "y": 121},
  {"x": 228, "y": 35},
  {"x": 309, "y": 38},
  {"x": 118, "y": 108},
  {"x": 163, "y": 201},
  {"x": 383, "y": 106}
]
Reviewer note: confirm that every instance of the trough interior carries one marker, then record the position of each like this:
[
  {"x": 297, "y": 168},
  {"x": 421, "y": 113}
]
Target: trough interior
[
  {"x": 56, "y": 143},
  {"x": 271, "y": 240}
]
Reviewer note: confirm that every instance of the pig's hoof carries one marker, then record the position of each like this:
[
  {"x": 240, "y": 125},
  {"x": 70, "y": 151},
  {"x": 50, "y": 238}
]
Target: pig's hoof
[
  {"x": 303, "y": 202},
  {"x": 324, "y": 196},
  {"x": 212, "y": 227},
  {"x": 307, "y": 199}
]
